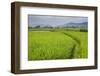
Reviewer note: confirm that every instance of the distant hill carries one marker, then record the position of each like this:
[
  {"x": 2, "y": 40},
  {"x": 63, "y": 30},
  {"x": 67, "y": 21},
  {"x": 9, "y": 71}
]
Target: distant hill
[
  {"x": 77, "y": 25},
  {"x": 66, "y": 25}
]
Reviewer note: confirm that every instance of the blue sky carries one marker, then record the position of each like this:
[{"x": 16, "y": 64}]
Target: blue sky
[{"x": 34, "y": 20}]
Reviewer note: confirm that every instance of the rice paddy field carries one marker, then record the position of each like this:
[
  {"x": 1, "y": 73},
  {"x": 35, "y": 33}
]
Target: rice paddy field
[{"x": 57, "y": 44}]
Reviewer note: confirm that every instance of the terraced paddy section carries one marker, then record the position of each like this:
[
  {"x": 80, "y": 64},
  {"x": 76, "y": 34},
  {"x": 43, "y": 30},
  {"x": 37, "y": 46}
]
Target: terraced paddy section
[{"x": 47, "y": 45}]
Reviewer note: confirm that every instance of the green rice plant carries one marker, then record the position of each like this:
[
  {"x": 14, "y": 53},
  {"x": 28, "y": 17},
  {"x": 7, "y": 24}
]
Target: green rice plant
[
  {"x": 82, "y": 40},
  {"x": 57, "y": 44},
  {"x": 44, "y": 45}
]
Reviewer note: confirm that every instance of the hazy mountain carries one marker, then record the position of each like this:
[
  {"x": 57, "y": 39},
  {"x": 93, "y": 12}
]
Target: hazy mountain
[
  {"x": 54, "y": 21},
  {"x": 67, "y": 25},
  {"x": 77, "y": 25}
]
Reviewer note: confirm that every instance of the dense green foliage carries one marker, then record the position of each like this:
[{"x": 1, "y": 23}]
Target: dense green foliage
[{"x": 57, "y": 44}]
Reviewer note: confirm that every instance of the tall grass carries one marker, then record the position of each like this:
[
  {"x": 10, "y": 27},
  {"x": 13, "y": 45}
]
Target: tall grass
[
  {"x": 82, "y": 40},
  {"x": 48, "y": 45}
]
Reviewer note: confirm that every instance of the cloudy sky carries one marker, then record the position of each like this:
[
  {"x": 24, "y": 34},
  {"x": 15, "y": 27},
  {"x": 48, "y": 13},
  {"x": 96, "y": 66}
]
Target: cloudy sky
[{"x": 34, "y": 20}]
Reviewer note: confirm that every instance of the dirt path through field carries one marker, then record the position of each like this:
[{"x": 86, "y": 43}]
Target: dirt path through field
[{"x": 76, "y": 45}]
